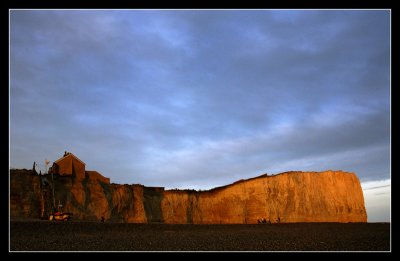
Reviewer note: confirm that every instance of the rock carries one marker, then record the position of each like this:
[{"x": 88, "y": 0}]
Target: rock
[{"x": 330, "y": 196}]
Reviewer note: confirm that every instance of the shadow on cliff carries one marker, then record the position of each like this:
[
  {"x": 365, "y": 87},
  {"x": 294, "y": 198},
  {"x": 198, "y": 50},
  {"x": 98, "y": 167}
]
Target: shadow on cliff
[{"x": 152, "y": 198}]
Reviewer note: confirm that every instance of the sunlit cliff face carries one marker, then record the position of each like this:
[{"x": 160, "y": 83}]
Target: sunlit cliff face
[{"x": 330, "y": 196}]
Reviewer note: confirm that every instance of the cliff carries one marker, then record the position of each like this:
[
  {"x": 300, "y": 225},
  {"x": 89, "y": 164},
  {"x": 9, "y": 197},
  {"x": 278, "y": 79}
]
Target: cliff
[{"x": 330, "y": 196}]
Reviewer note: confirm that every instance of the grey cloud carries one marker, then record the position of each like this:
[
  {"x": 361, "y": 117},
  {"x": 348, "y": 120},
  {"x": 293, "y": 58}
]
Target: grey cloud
[{"x": 149, "y": 91}]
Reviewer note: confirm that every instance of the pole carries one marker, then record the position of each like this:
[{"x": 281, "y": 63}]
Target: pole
[
  {"x": 54, "y": 199},
  {"x": 41, "y": 198},
  {"x": 52, "y": 181}
]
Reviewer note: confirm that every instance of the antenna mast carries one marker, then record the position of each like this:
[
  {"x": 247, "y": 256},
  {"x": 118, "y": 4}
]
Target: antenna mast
[{"x": 46, "y": 162}]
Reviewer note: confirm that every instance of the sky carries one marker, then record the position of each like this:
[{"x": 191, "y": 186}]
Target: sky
[{"x": 195, "y": 99}]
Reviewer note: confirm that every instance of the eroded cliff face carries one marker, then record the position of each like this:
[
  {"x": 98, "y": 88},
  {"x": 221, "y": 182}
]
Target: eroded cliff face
[
  {"x": 289, "y": 197},
  {"x": 330, "y": 196}
]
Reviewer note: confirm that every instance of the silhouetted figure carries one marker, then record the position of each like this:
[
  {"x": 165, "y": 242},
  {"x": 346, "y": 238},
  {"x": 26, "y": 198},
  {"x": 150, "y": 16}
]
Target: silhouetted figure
[
  {"x": 102, "y": 219},
  {"x": 34, "y": 167}
]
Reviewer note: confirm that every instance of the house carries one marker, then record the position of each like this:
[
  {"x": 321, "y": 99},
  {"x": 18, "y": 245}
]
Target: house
[
  {"x": 68, "y": 165},
  {"x": 71, "y": 165}
]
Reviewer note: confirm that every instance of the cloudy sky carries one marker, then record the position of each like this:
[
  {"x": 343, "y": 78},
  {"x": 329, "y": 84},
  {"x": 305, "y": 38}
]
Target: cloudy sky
[{"x": 202, "y": 98}]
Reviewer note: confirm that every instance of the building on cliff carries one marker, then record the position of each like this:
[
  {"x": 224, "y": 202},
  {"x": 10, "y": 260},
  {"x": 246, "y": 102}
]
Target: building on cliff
[
  {"x": 71, "y": 165},
  {"x": 68, "y": 165}
]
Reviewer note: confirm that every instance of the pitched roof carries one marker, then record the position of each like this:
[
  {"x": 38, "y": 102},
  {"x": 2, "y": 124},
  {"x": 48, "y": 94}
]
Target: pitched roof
[{"x": 72, "y": 155}]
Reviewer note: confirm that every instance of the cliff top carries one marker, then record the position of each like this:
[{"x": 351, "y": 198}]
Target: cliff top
[{"x": 265, "y": 175}]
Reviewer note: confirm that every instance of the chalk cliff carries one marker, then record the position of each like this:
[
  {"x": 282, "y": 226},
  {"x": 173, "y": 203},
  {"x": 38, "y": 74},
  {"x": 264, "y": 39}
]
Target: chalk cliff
[{"x": 330, "y": 196}]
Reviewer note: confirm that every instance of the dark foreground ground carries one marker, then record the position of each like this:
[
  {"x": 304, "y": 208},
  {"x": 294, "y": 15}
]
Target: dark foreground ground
[{"x": 92, "y": 236}]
